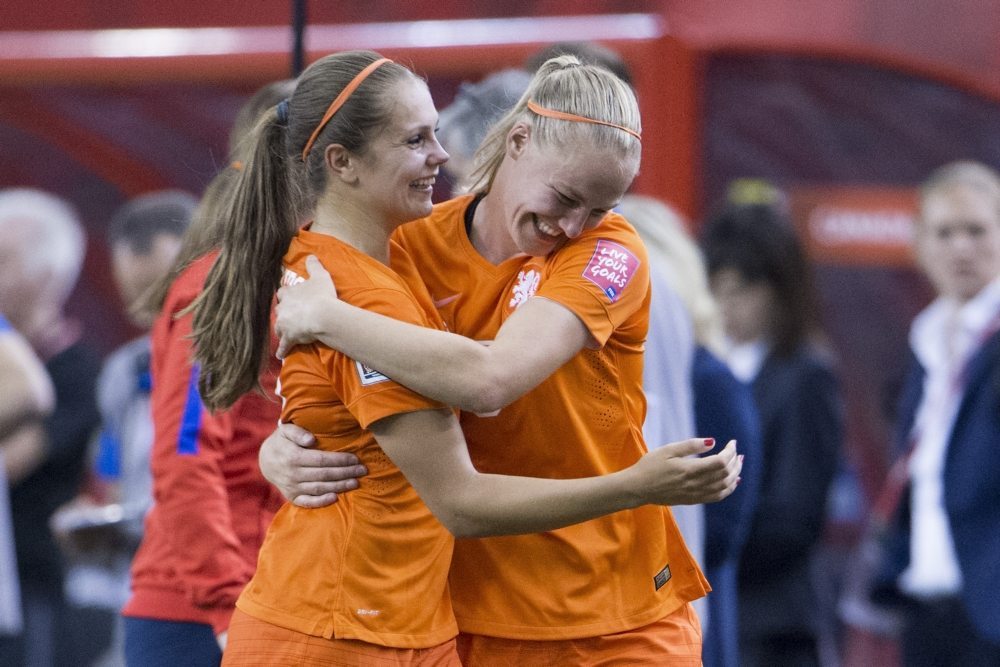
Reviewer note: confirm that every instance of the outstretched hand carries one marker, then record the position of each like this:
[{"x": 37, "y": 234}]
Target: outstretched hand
[
  {"x": 300, "y": 305},
  {"x": 670, "y": 475},
  {"x": 306, "y": 476}
]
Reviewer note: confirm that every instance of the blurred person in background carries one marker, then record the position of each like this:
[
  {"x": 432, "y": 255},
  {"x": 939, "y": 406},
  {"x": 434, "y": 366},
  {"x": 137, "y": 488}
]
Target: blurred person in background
[
  {"x": 28, "y": 397},
  {"x": 466, "y": 120},
  {"x": 210, "y": 506},
  {"x": 723, "y": 406},
  {"x": 27, "y": 390},
  {"x": 943, "y": 555},
  {"x": 760, "y": 277},
  {"x": 667, "y": 367},
  {"x": 101, "y": 528},
  {"x": 591, "y": 53},
  {"x": 42, "y": 246},
  {"x": 145, "y": 236}
]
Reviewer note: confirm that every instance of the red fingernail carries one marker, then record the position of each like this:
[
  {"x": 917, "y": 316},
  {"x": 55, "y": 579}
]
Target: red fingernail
[{"x": 709, "y": 442}]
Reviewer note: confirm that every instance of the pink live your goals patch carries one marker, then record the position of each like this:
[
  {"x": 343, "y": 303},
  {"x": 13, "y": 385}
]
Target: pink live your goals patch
[{"x": 611, "y": 268}]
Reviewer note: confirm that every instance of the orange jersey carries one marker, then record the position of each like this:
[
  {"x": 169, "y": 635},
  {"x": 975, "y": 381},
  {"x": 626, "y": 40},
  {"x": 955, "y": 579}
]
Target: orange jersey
[
  {"x": 374, "y": 565},
  {"x": 603, "y": 576}
]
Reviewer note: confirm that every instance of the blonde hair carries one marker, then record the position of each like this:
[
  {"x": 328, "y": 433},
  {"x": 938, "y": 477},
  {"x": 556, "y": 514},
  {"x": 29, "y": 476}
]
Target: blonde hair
[
  {"x": 565, "y": 84},
  {"x": 671, "y": 248}
]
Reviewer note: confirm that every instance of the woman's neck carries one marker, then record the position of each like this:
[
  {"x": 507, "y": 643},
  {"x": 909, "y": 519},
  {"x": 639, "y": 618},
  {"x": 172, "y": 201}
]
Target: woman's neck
[
  {"x": 489, "y": 235},
  {"x": 357, "y": 226}
]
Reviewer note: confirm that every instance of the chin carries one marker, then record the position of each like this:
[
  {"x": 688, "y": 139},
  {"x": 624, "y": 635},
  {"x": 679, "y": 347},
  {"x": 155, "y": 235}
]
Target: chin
[{"x": 416, "y": 213}]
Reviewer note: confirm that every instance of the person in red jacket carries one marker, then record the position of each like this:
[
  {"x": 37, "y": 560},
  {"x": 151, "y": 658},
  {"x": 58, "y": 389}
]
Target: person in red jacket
[{"x": 211, "y": 506}]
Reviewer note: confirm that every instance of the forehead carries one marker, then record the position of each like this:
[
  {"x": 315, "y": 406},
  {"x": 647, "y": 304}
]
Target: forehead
[
  {"x": 959, "y": 203},
  {"x": 17, "y": 232},
  {"x": 587, "y": 171},
  {"x": 412, "y": 105}
]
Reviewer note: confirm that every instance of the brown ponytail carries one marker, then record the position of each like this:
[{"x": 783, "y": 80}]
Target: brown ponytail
[{"x": 232, "y": 314}]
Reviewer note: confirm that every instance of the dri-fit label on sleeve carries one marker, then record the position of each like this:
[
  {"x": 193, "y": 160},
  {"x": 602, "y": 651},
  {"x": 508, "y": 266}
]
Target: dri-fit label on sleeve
[{"x": 611, "y": 268}]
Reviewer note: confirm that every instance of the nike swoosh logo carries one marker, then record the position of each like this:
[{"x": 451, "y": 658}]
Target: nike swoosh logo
[{"x": 441, "y": 303}]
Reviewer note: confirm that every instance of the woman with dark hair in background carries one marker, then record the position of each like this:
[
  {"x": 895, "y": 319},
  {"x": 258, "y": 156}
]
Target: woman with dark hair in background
[{"x": 760, "y": 276}]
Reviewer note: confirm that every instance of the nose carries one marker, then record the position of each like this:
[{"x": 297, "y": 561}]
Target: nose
[
  {"x": 437, "y": 155},
  {"x": 572, "y": 223}
]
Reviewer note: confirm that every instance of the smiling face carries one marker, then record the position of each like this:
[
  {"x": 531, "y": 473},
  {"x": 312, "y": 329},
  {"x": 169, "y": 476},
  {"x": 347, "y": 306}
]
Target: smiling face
[
  {"x": 958, "y": 240},
  {"x": 551, "y": 194},
  {"x": 396, "y": 173}
]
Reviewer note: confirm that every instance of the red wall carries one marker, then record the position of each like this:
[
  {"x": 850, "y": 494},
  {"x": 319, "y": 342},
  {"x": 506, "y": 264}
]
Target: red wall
[{"x": 955, "y": 34}]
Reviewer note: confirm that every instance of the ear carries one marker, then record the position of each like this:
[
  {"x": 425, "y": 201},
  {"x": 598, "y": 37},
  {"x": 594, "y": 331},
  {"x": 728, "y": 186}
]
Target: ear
[
  {"x": 518, "y": 140},
  {"x": 341, "y": 163}
]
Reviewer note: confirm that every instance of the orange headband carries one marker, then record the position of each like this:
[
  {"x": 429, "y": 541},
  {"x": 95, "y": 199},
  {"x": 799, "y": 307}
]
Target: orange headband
[
  {"x": 563, "y": 115},
  {"x": 340, "y": 99}
]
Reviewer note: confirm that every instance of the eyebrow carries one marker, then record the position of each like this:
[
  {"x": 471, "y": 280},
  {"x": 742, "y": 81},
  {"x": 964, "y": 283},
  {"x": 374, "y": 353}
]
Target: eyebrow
[{"x": 567, "y": 191}]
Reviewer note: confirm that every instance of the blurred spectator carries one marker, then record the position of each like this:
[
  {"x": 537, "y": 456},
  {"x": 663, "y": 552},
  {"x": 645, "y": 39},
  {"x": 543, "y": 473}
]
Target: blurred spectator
[
  {"x": 723, "y": 406},
  {"x": 27, "y": 389},
  {"x": 42, "y": 245},
  {"x": 28, "y": 396},
  {"x": 760, "y": 276},
  {"x": 102, "y": 527},
  {"x": 144, "y": 236},
  {"x": 591, "y": 53},
  {"x": 475, "y": 108},
  {"x": 943, "y": 551}
]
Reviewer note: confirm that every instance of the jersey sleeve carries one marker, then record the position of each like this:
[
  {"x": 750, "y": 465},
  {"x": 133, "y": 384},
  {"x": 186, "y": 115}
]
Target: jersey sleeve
[
  {"x": 368, "y": 394},
  {"x": 602, "y": 276}
]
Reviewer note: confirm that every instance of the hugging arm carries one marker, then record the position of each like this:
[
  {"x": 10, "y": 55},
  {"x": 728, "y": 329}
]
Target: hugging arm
[
  {"x": 306, "y": 476},
  {"x": 535, "y": 340},
  {"x": 429, "y": 448}
]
